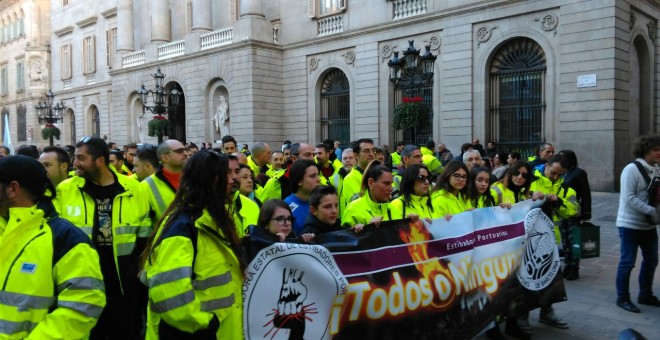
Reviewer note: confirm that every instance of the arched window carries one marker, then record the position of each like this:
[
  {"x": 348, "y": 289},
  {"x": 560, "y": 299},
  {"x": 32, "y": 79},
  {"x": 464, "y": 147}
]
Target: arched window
[
  {"x": 96, "y": 122},
  {"x": 72, "y": 126},
  {"x": 21, "y": 123},
  {"x": 517, "y": 96},
  {"x": 5, "y": 120},
  {"x": 336, "y": 107}
]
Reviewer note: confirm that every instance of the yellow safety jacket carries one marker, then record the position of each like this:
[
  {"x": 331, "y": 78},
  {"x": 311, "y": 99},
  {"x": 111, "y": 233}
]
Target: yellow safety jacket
[
  {"x": 444, "y": 202},
  {"x": 159, "y": 194},
  {"x": 194, "y": 281},
  {"x": 396, "y": 159},
  {"x": 272, "y": 189},
  {"x": 350, "y": 189},
  {"x": 363, "y": 209},
  {"x": 245, "y": 212},
  {"x": 418, "y": 205},
  {"x": 52, "y": 287},
  {"x": 131, "y": 224},
  {"x": 568, "y": 206},
  {"x": 335, "y": 171},
  {"x": 431, "y": 162},
  {"x": 501, "y": 194},
  {"x": 254, "y": 167},
  {"x": 481, "y": 203}
]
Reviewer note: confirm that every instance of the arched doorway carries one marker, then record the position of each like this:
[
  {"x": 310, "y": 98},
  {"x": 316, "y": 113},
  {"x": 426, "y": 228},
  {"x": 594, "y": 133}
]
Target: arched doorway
[
  {"x": 336, "y": 107},
  {"x": 517, "y": 96},
  {"x": 640, "y": 105},
  {"x": 177, "y": 116},
  {"x": 69, "y": 127}
]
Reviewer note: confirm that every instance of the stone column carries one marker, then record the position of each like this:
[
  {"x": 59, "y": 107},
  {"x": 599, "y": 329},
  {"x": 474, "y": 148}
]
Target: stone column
[
  {"x": 201, "y": 15},
  {"x": 160, "y": 21},
  {"x": 253, "y": 8},
  {"x": 125, "y": 41}
]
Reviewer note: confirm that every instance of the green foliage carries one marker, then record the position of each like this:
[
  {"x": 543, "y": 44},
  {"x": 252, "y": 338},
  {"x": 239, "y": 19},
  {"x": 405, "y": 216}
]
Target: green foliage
[
  {"x": 50, "y": 131},
  {"x": 158, "y": 127},
  {"x": 410, "y": 113}
]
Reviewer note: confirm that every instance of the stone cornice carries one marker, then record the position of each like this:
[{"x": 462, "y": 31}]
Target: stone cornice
[
  {"x": 7, "y": 3},
  {"x": 86, "y": 22},
  {"x": 109, "y": 13},
  {"x": 64, "y": 30}
]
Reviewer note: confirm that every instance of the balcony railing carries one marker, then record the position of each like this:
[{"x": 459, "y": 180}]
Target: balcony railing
[
  {"x": 171, "y": 50},
  {"x": 408, "y": 8},
  {"x": 217, "y": 38},
  {"x": 331, "y": 25},
  {"x": 133, "y": 59}
]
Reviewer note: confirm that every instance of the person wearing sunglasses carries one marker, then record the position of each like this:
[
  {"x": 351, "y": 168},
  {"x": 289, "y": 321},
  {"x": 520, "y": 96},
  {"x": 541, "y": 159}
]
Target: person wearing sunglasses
[
  {"x": 514, "y": 185},
  {"x": 448, "y": 194},
  {"x": 415, "y": 197},
  {"x": 161, "y": 187},
  {"x": 196, "y": 253},
  {"x": 113, "y": 211}
]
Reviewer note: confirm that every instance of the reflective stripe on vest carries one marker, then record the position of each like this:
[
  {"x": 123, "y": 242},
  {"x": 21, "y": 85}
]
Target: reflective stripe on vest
[
  {"x": 214, "y": 304},
  {"x": 88, "y": 309},
  {"x": 11, "y": 327},
  {"x": 24, "y": 301},
  {"x": 213, "y": 281},
  {"x": 81, "y": 283},
  {"x": 173, "y": 302},
  {"x": 156, "y": 193},
  {"x": 170, "y": 276}
]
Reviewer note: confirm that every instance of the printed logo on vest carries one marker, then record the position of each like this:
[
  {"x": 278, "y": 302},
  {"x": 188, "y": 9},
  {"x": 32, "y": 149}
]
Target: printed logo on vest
[{"x": 28, "y": 268}]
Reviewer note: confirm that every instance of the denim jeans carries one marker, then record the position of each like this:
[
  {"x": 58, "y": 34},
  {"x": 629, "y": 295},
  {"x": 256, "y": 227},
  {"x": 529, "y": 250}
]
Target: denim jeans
[{"x": 647, "y": 240}]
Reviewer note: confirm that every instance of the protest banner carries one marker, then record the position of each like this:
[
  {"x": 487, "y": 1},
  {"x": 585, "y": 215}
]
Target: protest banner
[{"x": 441, "y": 280}]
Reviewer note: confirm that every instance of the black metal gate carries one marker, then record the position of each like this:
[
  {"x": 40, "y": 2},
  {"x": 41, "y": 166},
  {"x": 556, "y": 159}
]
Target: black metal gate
[
  {"x": 335, "y": 107},
  {"x": 517, "y": 93},
  {"x": 422, "y": 134}
]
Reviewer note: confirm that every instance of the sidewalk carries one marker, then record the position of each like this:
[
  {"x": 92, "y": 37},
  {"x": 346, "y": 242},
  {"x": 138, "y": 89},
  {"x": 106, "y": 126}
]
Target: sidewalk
[{"x": 591, "y": 310}]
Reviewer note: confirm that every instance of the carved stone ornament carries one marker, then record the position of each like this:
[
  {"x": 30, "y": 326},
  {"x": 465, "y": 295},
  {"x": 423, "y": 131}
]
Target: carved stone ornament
[
  {"x": 549, "y": 22},
  {"x": 483, "y": 34},
  {"x": 85, "y": 100},
  {"x": 313, "y": 64},
  {"x": 435, "y": 43},
  {"x": 349, "y": 57},
  {"x": 386, "y": 51},
  {"x": 653, "y": 29},
  {"x": 632, "y": 20}
]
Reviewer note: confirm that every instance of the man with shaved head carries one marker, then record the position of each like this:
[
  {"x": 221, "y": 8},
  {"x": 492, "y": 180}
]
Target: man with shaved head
[{"x": 161, "y": 187}]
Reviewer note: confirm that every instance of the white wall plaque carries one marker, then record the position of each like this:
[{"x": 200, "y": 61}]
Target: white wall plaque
[{"x": 588, "y": 80}]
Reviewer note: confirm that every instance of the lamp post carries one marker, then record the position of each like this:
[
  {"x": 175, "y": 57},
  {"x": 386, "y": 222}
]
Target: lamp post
[
  {"x": 158, "y": 95},
  {"x": 49, "y": 115},
  {"x": 412, "y": 74}
]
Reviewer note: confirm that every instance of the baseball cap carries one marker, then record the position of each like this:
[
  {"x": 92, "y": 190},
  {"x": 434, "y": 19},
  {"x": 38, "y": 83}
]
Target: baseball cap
[{"x": 27, "y": 171}]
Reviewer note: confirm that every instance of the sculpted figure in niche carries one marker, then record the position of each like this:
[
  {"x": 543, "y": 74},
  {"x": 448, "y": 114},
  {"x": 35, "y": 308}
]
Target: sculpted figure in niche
[
  {"x": 37, "y": 73},
  {"x": 221, "y": 117},
  {"x": 141, "y": 133}
]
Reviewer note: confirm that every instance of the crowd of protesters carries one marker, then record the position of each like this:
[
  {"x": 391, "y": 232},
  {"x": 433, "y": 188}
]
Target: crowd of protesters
[{"x": 149, "y": 241}]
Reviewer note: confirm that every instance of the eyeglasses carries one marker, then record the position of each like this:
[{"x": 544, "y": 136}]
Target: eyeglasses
[
  {"x": 179, "y": 150},
  {"x": 281, "y": 220},
  {"x": 459, "y": 177},
  {"x": 518, "y": 173},
  {"x": 422, "y": 179}
]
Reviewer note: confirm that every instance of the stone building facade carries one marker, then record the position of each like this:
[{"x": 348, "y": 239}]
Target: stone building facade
[
  {"x": 24, "y": 66},
  {"x": 582, "y": 75}
]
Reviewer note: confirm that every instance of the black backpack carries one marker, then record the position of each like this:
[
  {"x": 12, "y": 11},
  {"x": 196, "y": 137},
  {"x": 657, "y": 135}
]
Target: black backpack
[{"x": 652, "y": 185}]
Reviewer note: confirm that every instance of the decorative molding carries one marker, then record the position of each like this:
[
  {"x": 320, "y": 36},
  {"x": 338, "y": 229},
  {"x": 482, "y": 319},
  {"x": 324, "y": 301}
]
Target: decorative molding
[
  {"x": 632, "y": 20},
  {"x": 276, "y": 32},
  {"x": 483, "y": 34},
  {"x": 7, "y": 3},
  {"x": 87, "y": 22},
  {"x": 349, "y": 57},
  {"x": 109, "y": 13},
  {"x": 386, "y": 51},
  {"x": 549, "y": 22},
  {"x": 653, "y": 30},
  {"x": 436, "y": 42},
  {"x": 62, "y": 31},
  {"x": 313, "y": 64}
]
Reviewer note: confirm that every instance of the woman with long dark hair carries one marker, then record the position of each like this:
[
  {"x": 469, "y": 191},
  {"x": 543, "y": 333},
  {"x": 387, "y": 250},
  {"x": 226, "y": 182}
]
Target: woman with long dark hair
[
  {"x": 373, "y": 205},
  {"x": 194, "y": 244},
  {"x": 514, "y": 186},
  {"x": 478, "y": 192},
  {"x": 448, "y": 195},
  {"x": 415, "y": 196}
]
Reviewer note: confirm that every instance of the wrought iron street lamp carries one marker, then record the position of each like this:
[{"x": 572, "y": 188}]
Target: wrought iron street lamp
[
  {"x": 158, "y": 97},
  {"x": 49, "y": 115},
  {"x": 412, "y": 68}
]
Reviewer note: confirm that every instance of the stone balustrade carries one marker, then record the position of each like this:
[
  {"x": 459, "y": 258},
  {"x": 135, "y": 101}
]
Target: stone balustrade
[
  {"x": 133, "y": 59},
  {"x": 217, "y": 38},
  {"x": 171, "y": 49},
  {"x": 408, "y": 8},
  {"x": 331, "y": 25}
]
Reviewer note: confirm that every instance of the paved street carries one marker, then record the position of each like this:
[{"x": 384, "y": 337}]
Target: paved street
[{"x": 591, "y": 309}]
